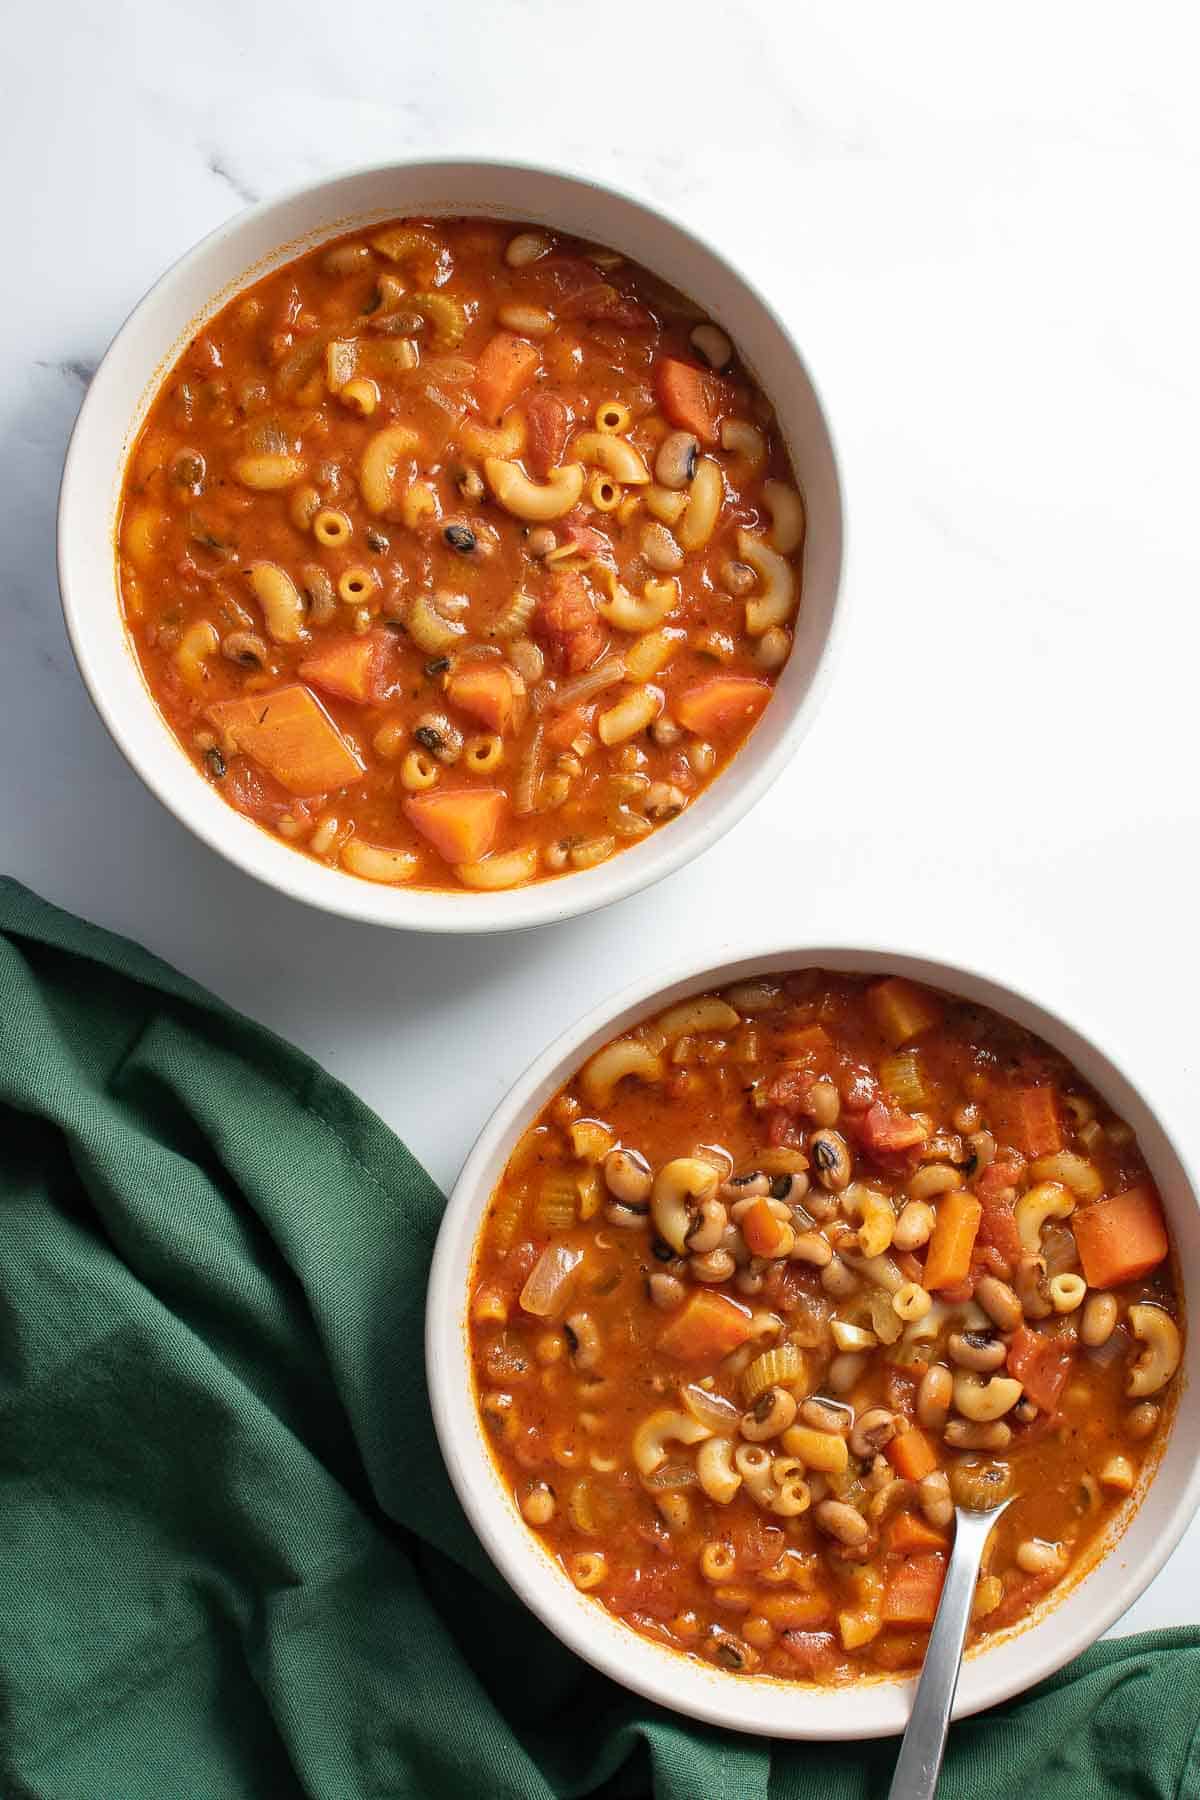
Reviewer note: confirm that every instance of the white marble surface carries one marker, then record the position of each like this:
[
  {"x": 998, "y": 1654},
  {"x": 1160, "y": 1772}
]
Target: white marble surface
[{"x": 982, "y": 225}]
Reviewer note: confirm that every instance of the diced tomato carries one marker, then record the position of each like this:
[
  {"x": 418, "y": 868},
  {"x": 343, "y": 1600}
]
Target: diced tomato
[
  {"x": 814, "y": 1651},
  {"x": 790, "y": 1089},
  {"x": 756, "y": 1544},
  {"x": 588, "y": 541},
  {"x": 579, "y": 291},
  {"x": 859, "y": 1090},
  {"x": 1019, "y": 1598},
  {"x": 1005, "y": 1172},
  {"x": 886, "y": 1130},
  {"x": 959, "y": 1292},
  {"x": 781, "y": 1129},
  {"x": 547, "y": 423},
  {"x": 1042, "y": 1363},
  {"x": 900, "y": 1386},
  {"x": 566, "y": 621},
  {"x": 562, "y": 731},
  {"x": 254, "y": 792},
  {"x": 652, "y": 1591},
  {"x": 519, "y": 1261},
  {"x": 998, "y": 1226}
]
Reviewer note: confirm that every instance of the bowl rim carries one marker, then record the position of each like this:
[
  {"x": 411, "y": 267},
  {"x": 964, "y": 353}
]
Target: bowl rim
[
  {"x": 636, "y": 869},
  {"x": 880, "y": 1705}
]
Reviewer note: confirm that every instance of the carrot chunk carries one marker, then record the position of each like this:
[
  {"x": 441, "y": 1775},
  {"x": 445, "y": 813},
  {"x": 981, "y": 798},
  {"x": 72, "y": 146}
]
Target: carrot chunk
[
  {"x": 1028, "y": 1119},
  {"x": 912, "y": 1590},
  {"x": 763, "y": 1232},
  {"x": 912, "y": 1454},
  {"x": 506, "y": 365},
  {"x": 726, "y": 703},
  {"x": 688, "y": 396},
  {"x": 292, "y": 736},
  {"x": 1121, "y": 1239},
  {"x": 707, "y": 1327},
  {"x": 1042, "y": 1364},
  {"x": 908, "y": 1533},
  {"x": 461, "y": 824},
  {"x": 948, "y": 1260},
  {"x": 491, "y": 693},
  {"x": 353, "y": 668},
  {"x": 902, "y": 1010}
]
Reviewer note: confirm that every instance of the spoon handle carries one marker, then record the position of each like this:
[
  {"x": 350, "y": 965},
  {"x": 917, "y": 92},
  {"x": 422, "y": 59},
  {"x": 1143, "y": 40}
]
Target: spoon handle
[{"x": 920, "y": 1760}]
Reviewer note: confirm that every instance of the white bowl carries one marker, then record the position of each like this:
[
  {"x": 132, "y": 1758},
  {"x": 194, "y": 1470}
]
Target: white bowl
[
  {"x": 878, "y": 1706},
  {"x": 245, "y": 249}
]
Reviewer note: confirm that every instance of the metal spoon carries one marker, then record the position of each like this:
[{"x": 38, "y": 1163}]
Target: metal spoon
[{"x": 924, "y": 1742}]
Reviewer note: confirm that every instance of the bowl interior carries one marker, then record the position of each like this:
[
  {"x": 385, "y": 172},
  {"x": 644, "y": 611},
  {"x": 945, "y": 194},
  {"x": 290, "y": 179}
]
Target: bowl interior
[
  {"x": 1153, "y": 1524},
  {"x": 249, "y": 247}
]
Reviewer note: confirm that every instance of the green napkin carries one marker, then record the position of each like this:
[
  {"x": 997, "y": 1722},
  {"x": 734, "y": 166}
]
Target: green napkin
[{"x": 231, "y": 1564}]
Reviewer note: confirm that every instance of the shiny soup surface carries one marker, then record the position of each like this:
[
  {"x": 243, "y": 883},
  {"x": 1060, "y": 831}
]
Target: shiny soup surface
[
  {"x": 460, "y": 554},
  {"x": 785, "y": 1271}
]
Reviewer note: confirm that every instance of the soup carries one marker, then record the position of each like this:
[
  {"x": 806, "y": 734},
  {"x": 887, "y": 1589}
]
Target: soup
[
  {"x": 459, "y": 554},
  {"x": 786, "y": 1271}
]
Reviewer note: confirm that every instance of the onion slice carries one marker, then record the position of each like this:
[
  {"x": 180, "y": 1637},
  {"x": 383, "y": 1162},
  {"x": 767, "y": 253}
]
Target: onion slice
[
  {"x": 550, "y": 1280},
  {"x": 710, "y": 1409}
]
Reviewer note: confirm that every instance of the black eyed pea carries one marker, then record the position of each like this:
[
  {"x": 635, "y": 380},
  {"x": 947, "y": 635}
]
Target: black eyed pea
[
  {"x": 625, "y": 1218},
  {"x": 872, "y": 1430},
  {"x": 976, "y": 1350},
  {"x": 823, "y": 1415},
  {"x": 915, "y": 1225},
  {"x": 934, "y": 1396},
  {"x": 627, "y": 1178},
  {"x": 811, "y": 1247},
  {"x": 714, "y": 1266},
  {"x": 738, "y": 579},
  {"x": 741, "y": 1190},
  {"x": 711, "y": 1220},
  {"x": 1099, "y": 1320},
  {"x": 1032, "y": 1288},
  {"x": 666, "y": 1291},
  {"x": 842, "y": 1521},
  {"x": 823, "y": 1103},
  {"x": 830, "y": 1157},
  {"x": 675, "y": 463},
  {"x": 999, "y": 1303},
  {"x": 771, "y": 1413},
  {"x": 1141, "y": 1420},
  {"x": 966, "y": 1434},
  {"x": 934, "y": 1499}
]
